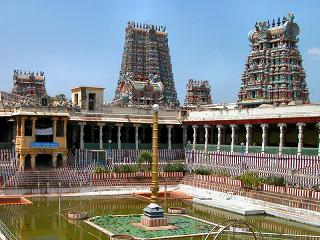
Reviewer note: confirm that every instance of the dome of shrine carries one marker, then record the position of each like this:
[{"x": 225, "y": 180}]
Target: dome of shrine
[
  {"x": 291, "y": 30},
  {"x": 251, "y": 35}
]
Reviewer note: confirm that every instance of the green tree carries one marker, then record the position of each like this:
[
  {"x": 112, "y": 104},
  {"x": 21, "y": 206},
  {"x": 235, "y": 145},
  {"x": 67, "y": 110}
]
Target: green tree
[
  {"x": 59, "y": 97},
  {"x": 145, "y": 157}
]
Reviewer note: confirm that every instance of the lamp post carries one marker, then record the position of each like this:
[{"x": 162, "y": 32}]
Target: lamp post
[
  {"x": 189, "y": 150},
  {"x": 189, "y": 155},
  {"x": 153, "y": 214}
]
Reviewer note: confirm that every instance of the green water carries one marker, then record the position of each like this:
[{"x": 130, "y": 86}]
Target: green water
[{"x": 40, "y": 220}]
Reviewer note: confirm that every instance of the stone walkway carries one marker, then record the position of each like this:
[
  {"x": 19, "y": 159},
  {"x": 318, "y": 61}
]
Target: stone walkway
[{"x": 239, "y": 204}]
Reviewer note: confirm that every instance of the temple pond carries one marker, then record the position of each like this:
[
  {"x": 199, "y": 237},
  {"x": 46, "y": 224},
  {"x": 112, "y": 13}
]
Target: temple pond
[{"x": 42, "y": 221}]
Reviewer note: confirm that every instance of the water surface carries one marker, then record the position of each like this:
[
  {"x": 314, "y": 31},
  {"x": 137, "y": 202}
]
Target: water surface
[{"x": 41, "y": 221}]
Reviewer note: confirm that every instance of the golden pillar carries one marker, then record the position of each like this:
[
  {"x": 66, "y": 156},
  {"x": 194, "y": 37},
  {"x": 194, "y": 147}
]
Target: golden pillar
[
  {"x": 153, "y": 214},
  {"x": 154, "y": 183}
]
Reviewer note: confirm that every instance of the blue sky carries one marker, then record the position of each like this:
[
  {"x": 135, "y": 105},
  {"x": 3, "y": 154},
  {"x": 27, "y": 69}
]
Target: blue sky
[{"x": 81, "y": 42}]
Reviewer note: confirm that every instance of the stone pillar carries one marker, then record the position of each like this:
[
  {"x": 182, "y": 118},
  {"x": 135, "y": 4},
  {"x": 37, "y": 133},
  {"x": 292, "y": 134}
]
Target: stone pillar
[
  {"x": 264, "y": 137},
  {"x": 33, "y": 161},
  {"x": 22, "y": 126},
  {"x": 300, "y": 137},
  {"x": 318, "y": 126},
  {"x": 169, "y": 127},
  {"x": 54, "y": 128},
  {"x": 194, "y": 137},
  {"x": 18, "y": 130},
  {"x": 206, "y": 137},
  {"x": 136, "y": 126},
  {"x": 65, "y": 141},
  {"x": 14, "y": 133},
  {"x": 119, "y": 134},
  {"x": 281, "y": 137},
  {"x": 65, "y": 122},
  {"x": 54, "y": 160},
  {"x": 82, "y": 124},
  {"x": 22, "y": 160},
  {"x": 64, "y": 160},
  {"x": 33, "y": 129},
  {"x": 100, "y": 135},
  {"x": 233, "y": 136},
  {"x": 184, "y": 135},
  {"x": 219, "y": 137},
  {"x": 248, "y": 136}
]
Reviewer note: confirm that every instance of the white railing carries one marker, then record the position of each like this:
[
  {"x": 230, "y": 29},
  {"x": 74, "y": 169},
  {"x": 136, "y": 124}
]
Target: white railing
[
  {"x": 87, "y": 157},
  {"x": 302, "y": 170}
]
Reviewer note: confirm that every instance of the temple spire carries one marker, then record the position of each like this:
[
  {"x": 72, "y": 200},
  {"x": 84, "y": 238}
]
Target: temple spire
[
  {"x": 260, "y": 79},
  {"x": 154, "y": 58}
]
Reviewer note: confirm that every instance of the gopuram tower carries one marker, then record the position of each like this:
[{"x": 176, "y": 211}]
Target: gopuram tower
[
  {"x": 146, "y": 58},
  {"x": 198, "y": 93},
  {"x": 273, "y": 72},
  {"x": 29, "y": 84}
]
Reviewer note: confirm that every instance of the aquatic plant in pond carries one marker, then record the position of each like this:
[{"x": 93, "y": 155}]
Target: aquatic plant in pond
[{"x": 123, "y": 225}]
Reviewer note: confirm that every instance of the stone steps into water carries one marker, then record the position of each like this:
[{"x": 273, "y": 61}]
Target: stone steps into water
[
  {"x": 55, "y": 178},
  {"x": 234, "y": 203}
]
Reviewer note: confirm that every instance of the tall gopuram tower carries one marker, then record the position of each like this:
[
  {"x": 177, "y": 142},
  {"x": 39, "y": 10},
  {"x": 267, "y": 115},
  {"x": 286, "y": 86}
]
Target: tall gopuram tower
[
  {"x": 146, "y": 55},
  {"x": 198, "y": 93},
  {"x": 273, "y": 72},
  {"x": 29, "y": 84}
]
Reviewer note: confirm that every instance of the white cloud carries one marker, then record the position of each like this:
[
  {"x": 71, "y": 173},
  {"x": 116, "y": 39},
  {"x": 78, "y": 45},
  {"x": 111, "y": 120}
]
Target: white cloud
[{"x": 314, "y": 53}]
